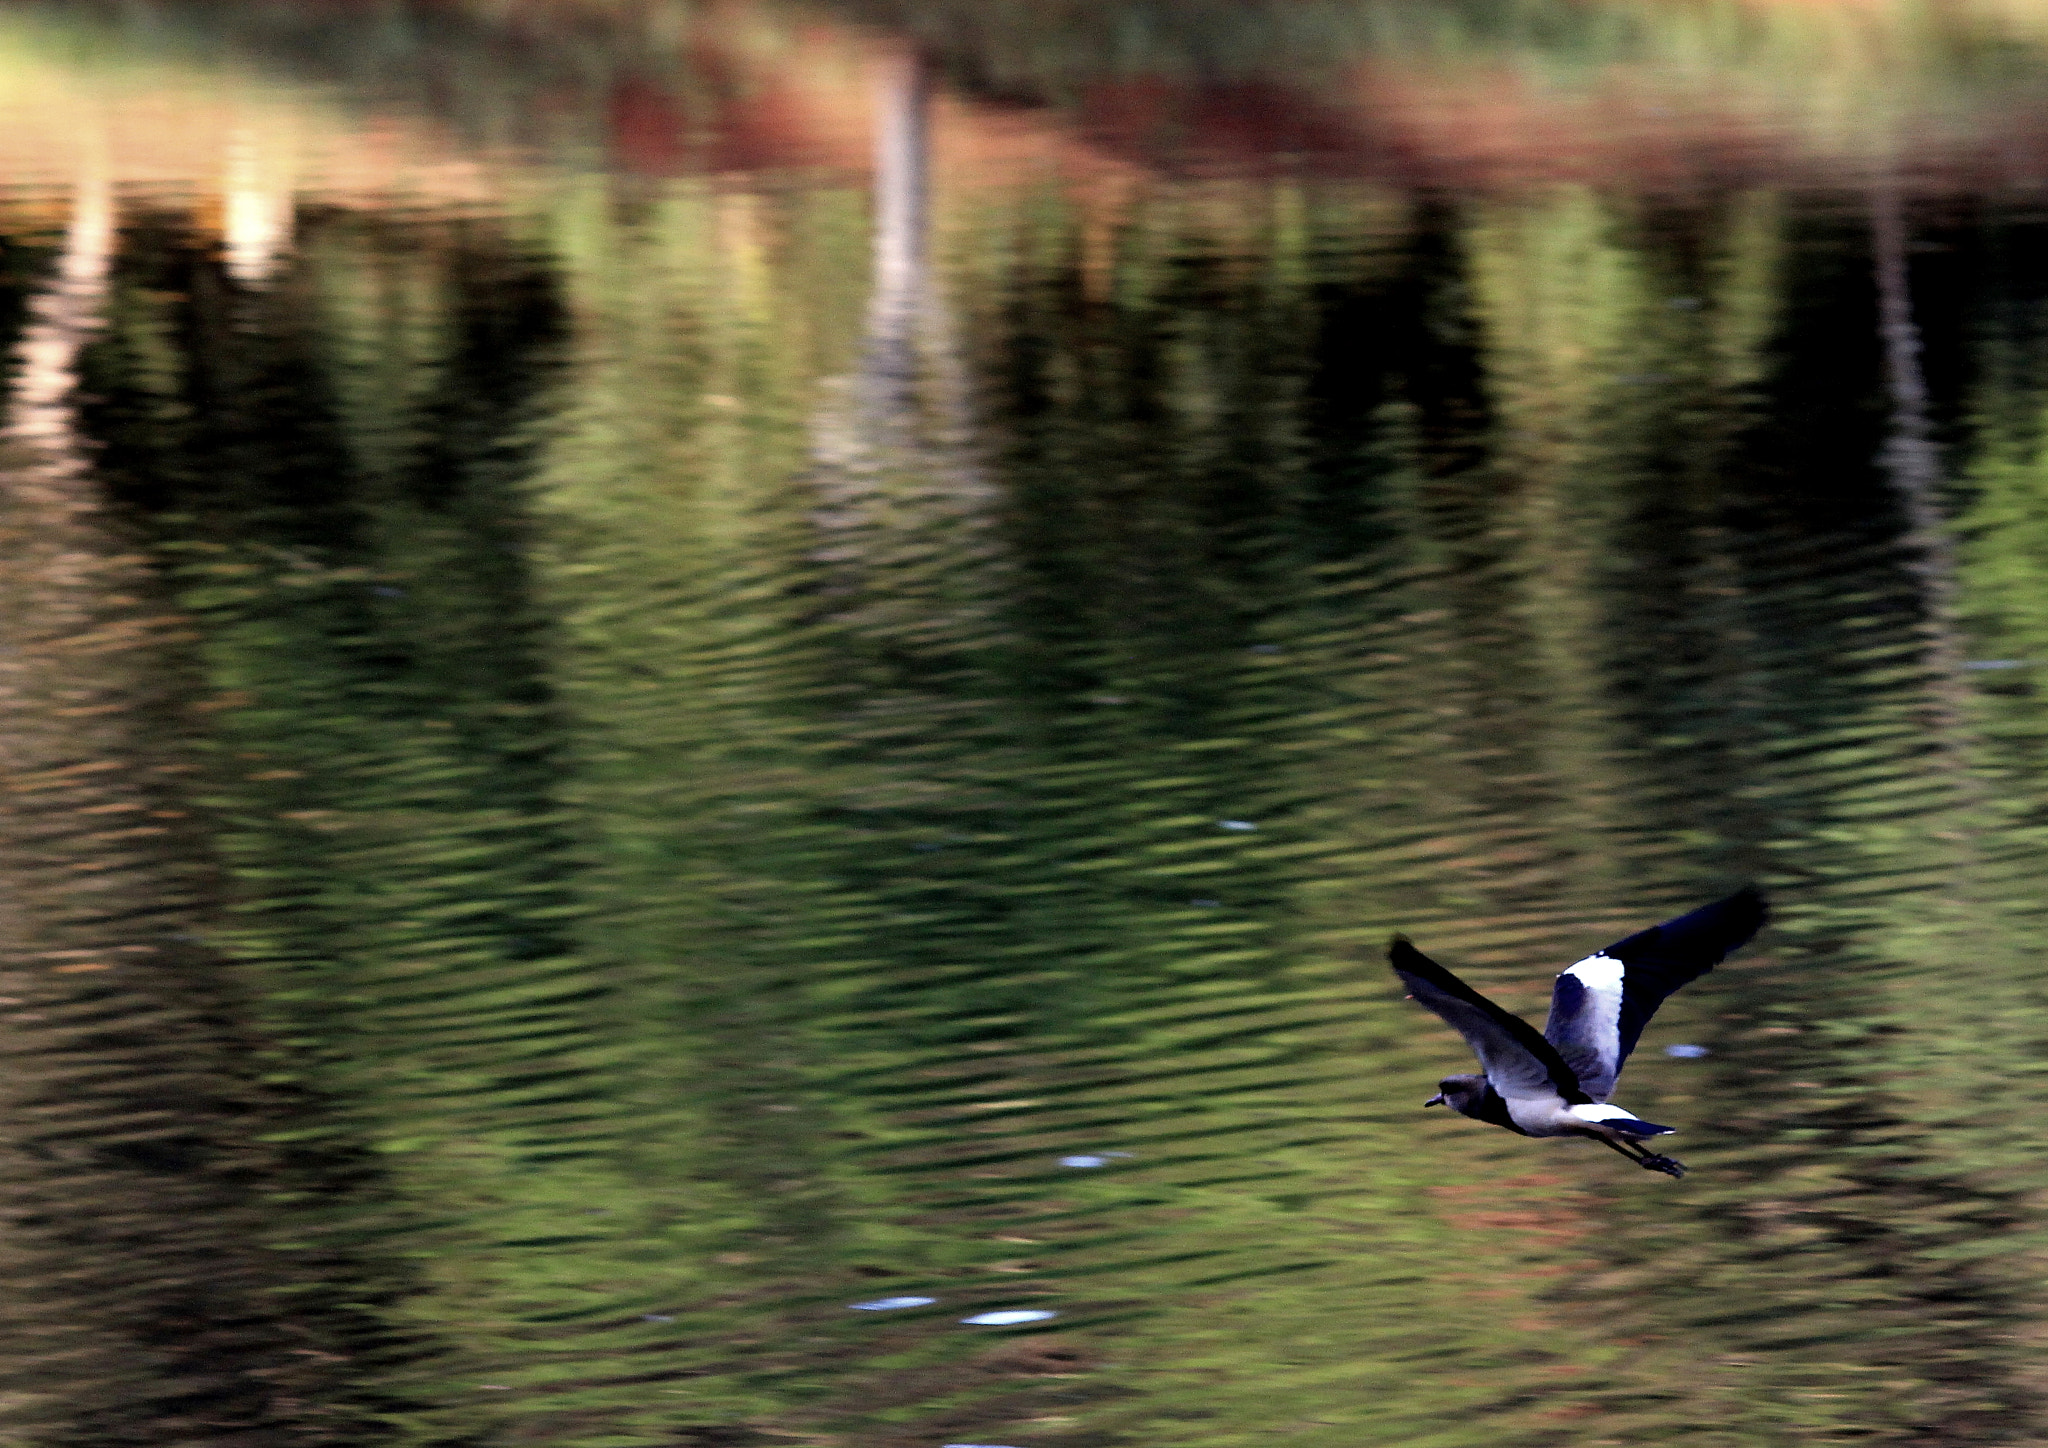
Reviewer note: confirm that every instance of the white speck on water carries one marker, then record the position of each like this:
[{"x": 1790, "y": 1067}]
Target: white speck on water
[
  {"x": 1084, "y": 1161},
  {"x": 891, "y": 1304},
  {"x": 656, "y": 1317},
  {"x": 1237, "y": 824},
  {"x": 1687, "y": 1053},
  {"x": 1008, "y": 1316},
  {"x": 496, "y": 1387},
  {"x": 1206, "y": 904},
  {"x": 1997, "y": 663}
]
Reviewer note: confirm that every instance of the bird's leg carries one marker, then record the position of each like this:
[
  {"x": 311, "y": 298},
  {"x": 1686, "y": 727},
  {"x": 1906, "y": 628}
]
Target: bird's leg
[
  {"x": 1633, "y": 1153},
  {"x": 1645, "y": 1158}
]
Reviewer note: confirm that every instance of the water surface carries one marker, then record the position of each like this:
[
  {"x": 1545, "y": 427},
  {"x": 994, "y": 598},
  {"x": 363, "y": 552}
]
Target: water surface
[{"x": 715, "y": 712}]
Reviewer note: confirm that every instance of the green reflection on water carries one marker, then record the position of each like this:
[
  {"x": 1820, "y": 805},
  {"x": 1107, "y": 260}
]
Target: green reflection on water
[{"x": 714, "y": 785}]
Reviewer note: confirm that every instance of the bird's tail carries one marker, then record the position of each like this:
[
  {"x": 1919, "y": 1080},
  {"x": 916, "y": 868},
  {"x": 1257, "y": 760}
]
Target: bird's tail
[{"x": 1636, "y": 1126}]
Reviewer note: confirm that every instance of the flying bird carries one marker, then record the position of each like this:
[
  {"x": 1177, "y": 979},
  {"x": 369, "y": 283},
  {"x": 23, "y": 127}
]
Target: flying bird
[{"x": 1557, "y": 1083}]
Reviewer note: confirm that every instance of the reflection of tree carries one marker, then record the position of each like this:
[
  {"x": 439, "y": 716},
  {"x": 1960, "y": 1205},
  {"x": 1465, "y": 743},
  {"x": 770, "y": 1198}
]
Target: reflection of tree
[
  {"x": 676, "y": 546},
  {"x": 332, "y": 498},
  {"x": 900, "y": 492},
  {"x": 1722, "y": 641},
  {"x": 1000, "y": 825},
  {"x": 1674, "y": 604},
  {"x": 157, "y": 1292}
]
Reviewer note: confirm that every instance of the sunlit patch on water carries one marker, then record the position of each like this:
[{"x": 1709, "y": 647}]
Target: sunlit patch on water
[{"x": 1010, "y": 1317}]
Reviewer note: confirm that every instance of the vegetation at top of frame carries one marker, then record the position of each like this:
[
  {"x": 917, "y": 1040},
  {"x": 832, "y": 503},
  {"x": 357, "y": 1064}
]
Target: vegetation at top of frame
[{"x": 664, "y": 85}]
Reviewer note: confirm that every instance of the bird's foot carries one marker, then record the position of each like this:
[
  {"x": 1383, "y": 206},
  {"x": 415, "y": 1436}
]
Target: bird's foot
[{"x": 1665, "y": 1164}]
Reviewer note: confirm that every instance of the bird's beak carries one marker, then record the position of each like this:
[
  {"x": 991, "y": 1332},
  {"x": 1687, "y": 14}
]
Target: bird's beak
[{"x": 1436, "y": 1100}]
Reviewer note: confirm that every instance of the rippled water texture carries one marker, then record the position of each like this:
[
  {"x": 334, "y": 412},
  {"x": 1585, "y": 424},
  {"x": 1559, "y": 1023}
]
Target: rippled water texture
[{"x": 713, "y": 713}]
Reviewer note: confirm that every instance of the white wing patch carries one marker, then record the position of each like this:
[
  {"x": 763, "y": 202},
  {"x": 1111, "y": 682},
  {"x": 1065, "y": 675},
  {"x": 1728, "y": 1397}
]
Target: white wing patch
[
  {"x": 1601, "y": 976},
  {"x": 1585, "y": 1021},
  {"x": 1600, "y": 1111}
]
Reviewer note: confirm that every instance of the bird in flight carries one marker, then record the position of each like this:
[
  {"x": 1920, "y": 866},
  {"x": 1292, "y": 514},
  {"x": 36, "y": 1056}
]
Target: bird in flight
[{"x": 1557, "y": 1083}]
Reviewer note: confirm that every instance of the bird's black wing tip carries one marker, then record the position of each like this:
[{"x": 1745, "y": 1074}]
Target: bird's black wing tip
[
  {"x": 1690, "y": 944},
  {"x": 1754, "y": 903}
]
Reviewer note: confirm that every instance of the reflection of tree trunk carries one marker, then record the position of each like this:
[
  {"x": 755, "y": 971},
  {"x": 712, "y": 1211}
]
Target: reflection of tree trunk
[
  {"x": 1912, "y": 464},
  {"x": 899, "y": 301},
  {"x": 146, "y": 1307},
  {"x": 894, "y": 447},
  {"x": 60, "y": 320},
  {"x": 256, "y": 213}
]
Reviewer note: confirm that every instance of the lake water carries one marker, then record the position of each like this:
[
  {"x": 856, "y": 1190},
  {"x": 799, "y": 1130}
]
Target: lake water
[{"x": 714, "y": 713}]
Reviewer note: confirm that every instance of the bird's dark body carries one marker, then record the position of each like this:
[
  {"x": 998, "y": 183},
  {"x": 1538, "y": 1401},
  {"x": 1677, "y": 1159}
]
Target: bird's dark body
[{"x": 1557, "y": 1082}]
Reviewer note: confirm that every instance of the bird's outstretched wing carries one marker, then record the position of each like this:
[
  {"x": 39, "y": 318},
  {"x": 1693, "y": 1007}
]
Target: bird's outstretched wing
[
  {"x": 1517, "y": 1060},
  {"x": 1599, "y": 1007}
]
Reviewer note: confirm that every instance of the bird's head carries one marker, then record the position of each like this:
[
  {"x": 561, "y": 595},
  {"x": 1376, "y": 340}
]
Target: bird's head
[{"x": 1458, "y": 1092}]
